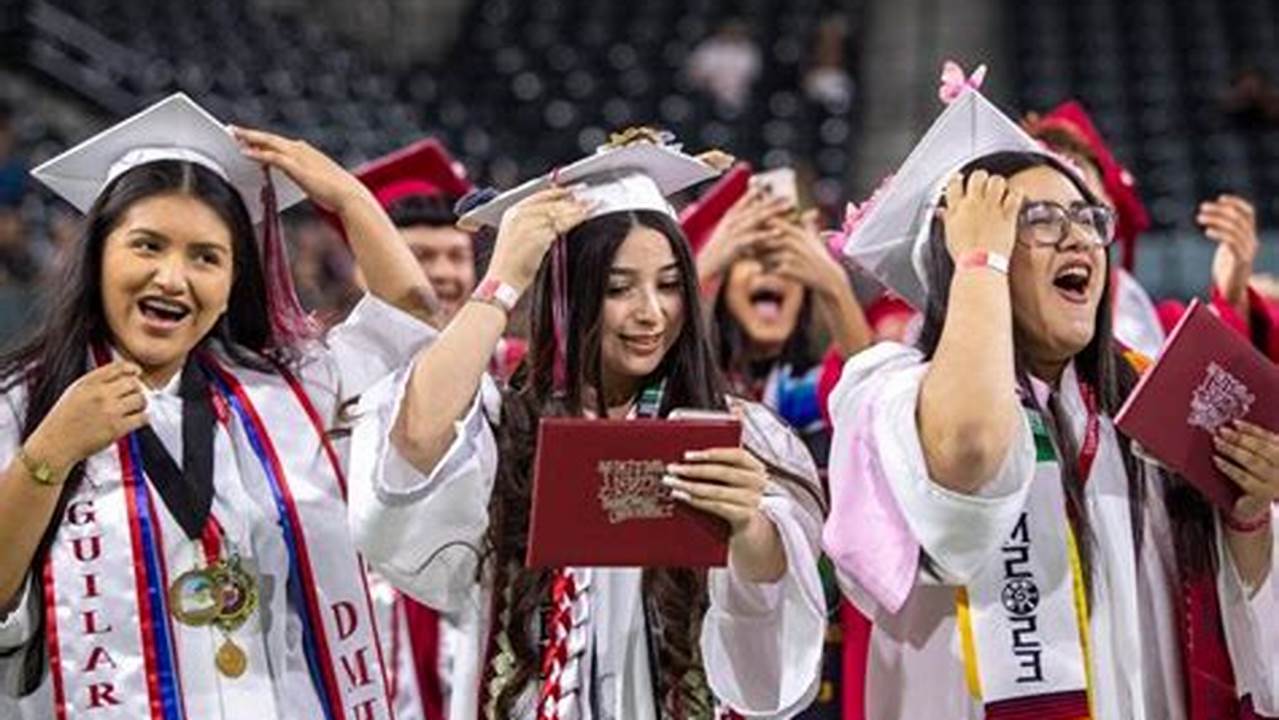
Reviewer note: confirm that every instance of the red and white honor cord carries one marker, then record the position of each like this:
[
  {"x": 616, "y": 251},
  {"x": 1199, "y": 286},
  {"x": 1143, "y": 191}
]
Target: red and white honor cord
[{"x": 568, "y": 633}]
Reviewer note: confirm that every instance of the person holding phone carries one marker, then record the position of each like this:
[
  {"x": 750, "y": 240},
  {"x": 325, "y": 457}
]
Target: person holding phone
[{"x": 775, "y": 285}]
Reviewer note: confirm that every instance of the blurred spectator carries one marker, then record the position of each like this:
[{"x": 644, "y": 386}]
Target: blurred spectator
[
  {"x": 13, "y": 171},
  {"x": 17, "y": 262},
  {"x": 63, "y": 228},
  {"x": 827, "y": 81},
  {"x": 1253, "y": 99},
  {"x": 726, "y": 64},
  {"x": 18, "y": 265}
]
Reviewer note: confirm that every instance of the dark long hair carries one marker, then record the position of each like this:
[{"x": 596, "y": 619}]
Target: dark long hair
[
  {"x": 677, "y": 597},
  {"x": 1103, "y": 366},
  {"x": 58, "y": 353}
]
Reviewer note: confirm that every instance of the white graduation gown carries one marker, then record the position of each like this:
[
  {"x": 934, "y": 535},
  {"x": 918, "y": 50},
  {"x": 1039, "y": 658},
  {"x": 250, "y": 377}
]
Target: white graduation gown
[
  {"x": 761, "y": 644},
  {"x": 881, "y": 492},
  {"x": 398, "y": 651},
  {"x": 374, "y": 340}
]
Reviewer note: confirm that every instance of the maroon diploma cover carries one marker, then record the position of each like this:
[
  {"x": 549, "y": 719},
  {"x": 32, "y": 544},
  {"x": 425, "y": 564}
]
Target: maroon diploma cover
[
  {"x": 599, "y": 501},
  {"x": 1207, "y": 375}
]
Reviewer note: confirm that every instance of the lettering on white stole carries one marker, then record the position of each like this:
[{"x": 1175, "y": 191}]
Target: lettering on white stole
[
  {"x": 357, "y": 662},
  {"x": 1020, "y": 599},
  {"x": 86, "y": 548}
]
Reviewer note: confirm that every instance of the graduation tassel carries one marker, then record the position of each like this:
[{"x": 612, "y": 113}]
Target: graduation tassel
[
  {"x": 559, "y": 313},
  {"x": 290, "y": 323}
]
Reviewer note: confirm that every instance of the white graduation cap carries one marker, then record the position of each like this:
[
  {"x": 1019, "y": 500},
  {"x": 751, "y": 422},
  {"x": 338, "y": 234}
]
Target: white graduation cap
[
  {"x": 175, "y": 128},
  {"x": 889, "y": 241},
  {"x": 635, "y": 176}
]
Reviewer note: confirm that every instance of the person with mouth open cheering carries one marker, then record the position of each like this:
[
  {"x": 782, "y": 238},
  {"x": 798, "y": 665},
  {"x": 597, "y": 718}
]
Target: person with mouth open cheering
[
  {"x": 1016, "y": 554},
  {"x": 173, "y": 536}
]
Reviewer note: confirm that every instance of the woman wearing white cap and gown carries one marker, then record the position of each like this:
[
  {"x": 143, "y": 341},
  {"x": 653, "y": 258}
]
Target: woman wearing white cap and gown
[
  {"x": 635, "y": 642},
  {"x": 172, "y": 513},
  {"x": 1016, "y": 555}
]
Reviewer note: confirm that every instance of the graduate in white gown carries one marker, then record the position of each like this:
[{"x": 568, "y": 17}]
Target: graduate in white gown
[
  {"x": 625, "y": 643},
  {"x": 173, "y": 536},
  {"x": 1016, "y": 554}
]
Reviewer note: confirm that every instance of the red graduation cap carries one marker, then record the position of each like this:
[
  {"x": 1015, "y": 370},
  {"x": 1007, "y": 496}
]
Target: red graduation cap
[
  {"x": 424, "y": 169},
  {"x": 1071, "y": 118},
  {"x": 699, "y": 219}
]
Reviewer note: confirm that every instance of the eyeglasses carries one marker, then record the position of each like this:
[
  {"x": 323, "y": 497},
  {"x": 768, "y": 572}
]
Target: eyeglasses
[{"x": 1047, "y": 224}]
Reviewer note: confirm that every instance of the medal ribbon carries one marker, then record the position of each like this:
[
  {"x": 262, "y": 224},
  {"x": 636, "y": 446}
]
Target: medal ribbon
[
  {"x": 187, "y": 490},
  {"x": 1092, "y": 432},
  {"x": 302, "y": 583}
]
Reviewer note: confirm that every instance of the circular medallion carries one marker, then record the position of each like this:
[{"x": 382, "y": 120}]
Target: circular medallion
[
  {"x": 195, "y": 599},
  {"x": 1020, "y": 596},
  {"x": 239, "y": 594}
]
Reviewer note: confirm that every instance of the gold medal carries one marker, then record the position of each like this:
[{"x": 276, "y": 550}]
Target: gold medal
[
  {"x": 238, "y": 594},
  {"x": 196, "y": 598},
  {"x": 222, "y": 595},
  {"x": 231, "y": 660}
]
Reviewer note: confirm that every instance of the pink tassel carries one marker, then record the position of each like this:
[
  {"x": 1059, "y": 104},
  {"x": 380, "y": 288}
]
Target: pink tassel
[{"x": 290, "y": 323}]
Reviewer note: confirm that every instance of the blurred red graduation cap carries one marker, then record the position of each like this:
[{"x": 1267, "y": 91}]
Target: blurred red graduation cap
[
  {"x": 699, "y": 219},
  {"x": 1071, "y": 118}
]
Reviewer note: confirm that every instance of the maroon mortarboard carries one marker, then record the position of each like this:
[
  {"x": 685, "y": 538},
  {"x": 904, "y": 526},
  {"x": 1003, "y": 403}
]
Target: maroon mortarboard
[
  {"x": 700, "y": 218},
  {"x": 423, "y": 169}
]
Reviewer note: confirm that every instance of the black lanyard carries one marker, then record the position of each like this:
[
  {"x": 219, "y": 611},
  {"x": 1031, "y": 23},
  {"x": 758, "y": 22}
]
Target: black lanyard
[{"x": 187, "y": 490}]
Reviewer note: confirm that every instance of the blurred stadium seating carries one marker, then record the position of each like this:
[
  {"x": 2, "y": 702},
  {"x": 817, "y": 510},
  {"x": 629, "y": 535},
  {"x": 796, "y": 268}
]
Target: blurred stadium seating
[
  {"x": 1156, "y": 74},
  {"x": 526, "y": 85}
]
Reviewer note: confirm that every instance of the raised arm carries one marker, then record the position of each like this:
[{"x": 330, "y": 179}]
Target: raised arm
[
  {"x": 967, "y": 412},
  {"x": 802, "y": 256},
  {"x": 1231, "y": 222},
  {"x": 447, "y": 374},
  {"x": 741, "y": 228},
  {"x": 386, "y": 262}
]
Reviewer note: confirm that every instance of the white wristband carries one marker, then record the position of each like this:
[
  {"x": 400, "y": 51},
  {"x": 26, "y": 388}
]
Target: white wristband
[
  {"x": 496, "y": 292},
  {"x": 984, "y": 259}
]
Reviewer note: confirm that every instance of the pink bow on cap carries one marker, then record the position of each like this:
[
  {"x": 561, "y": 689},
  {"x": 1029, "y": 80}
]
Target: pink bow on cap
[
  {"x": 854, "y": 214},
  {"x": 954, "y": 83}
]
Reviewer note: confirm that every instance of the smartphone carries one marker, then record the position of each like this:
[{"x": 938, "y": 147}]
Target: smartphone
[{"x": 780, "y": 182}]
